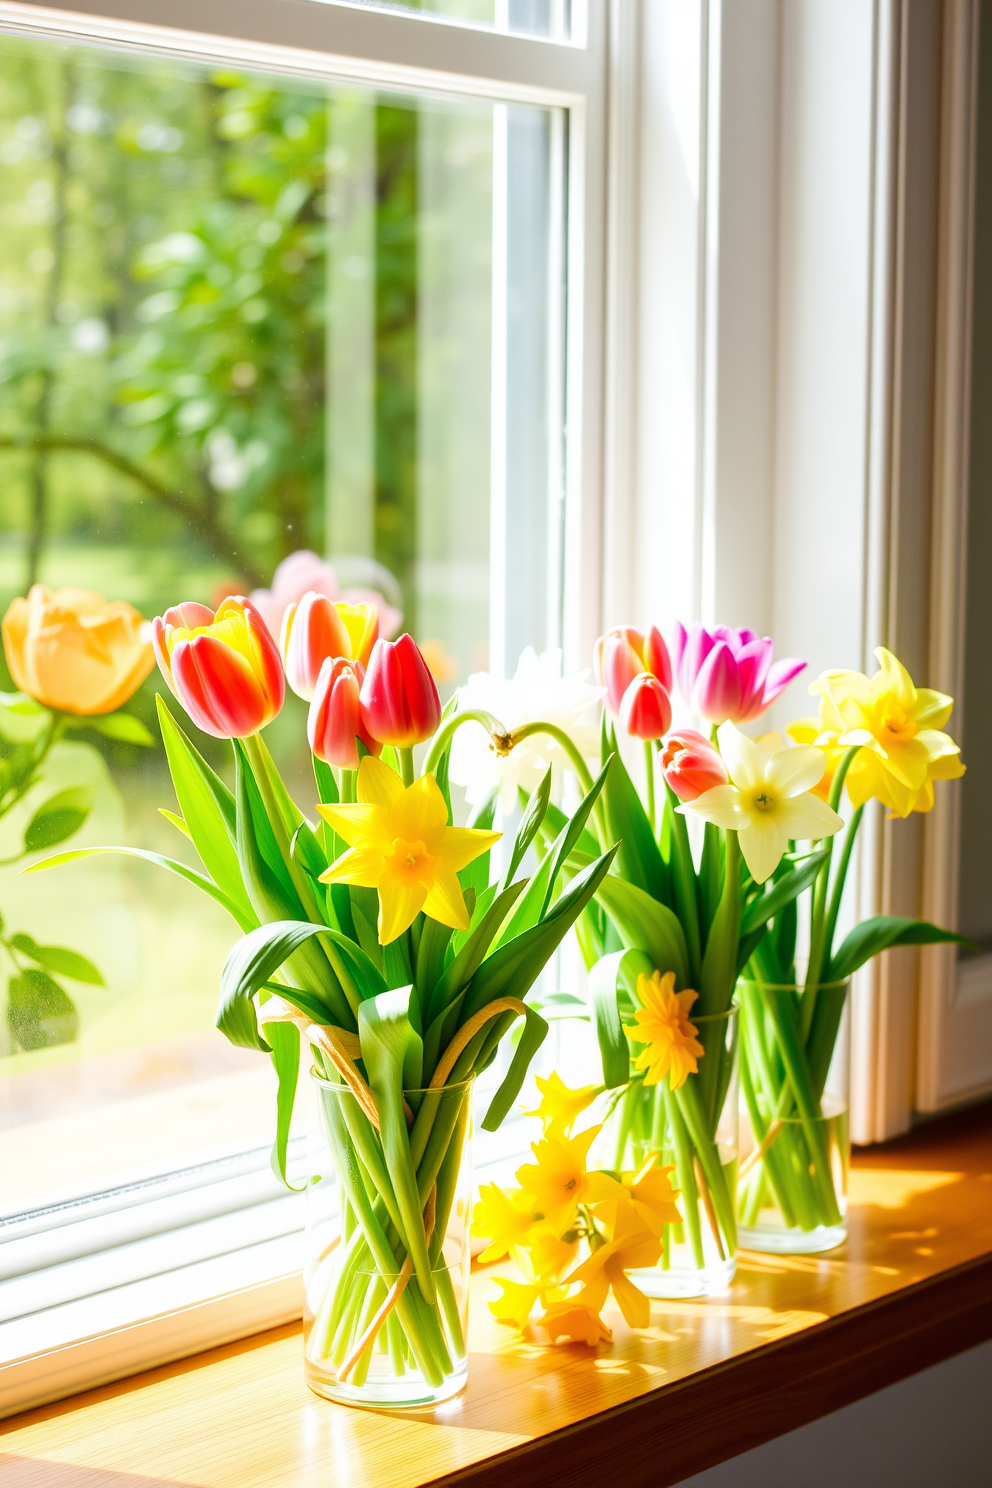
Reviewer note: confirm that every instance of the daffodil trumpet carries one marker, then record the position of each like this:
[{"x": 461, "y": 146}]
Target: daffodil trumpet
[{"x": 371, "y": 929}]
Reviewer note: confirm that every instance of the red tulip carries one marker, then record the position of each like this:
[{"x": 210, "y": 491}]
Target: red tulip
[
  {"x": 335, "y": 719},
  {"x": 318, "y": 628},
  {"x": 646, "y": 708},
  {"x": 224, "y": 668},
  {"x": 623, "y": 654},
  {"x": 400, "y": 705},
  {"x": 691, "y": 765}
]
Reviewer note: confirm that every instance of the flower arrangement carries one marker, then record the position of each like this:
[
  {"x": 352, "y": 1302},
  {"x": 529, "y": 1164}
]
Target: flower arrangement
[
  {"x": 76, "y": 659},
  {"x": 378, "y": 931}
]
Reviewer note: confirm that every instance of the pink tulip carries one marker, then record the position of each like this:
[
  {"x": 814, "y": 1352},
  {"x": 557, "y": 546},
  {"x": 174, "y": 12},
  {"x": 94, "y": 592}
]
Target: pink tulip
[
  {"x": 303, "y": 571},
  {"x": 646, "y": 708},
  {"x": 318, "y": 628},
  {"x": 691, "y": 765},
  {"x": 724, "y": 673},
  {"x": 623, "y": 654},
  {"x": 335, "y": 718}
]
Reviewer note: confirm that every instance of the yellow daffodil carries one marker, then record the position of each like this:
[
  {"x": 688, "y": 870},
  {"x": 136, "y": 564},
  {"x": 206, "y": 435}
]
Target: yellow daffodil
[
  {"x": 516, "y": 1303},
  {"x": 559, "y": 1106},
  {"x": 662, "y": 1022},
  {"x": 578, "y": 1319},
  {"x": 769, "y": 799},
  {"x": 401, "y": 844},
  {"x": 504, "y": 1219},
  {"x": 809, "y": 731},
  {"x": 899, "y": 727},
  {"x": 557, "y": 1181},
  {"x": 650, "y": 1192},
  {"x": 631, "y": 1248},
  {"x": 543, "y": 1257}
]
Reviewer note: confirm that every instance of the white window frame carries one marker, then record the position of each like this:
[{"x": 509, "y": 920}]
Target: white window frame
[{"x": 117, "y": 1300}]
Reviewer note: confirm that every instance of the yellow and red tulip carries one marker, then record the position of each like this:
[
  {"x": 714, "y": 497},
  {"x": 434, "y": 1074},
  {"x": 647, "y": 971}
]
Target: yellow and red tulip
[
  {"x": 318, "y": 628},
  {"x": 224, "y": 668},
  {"x": 623, "y": 653}
]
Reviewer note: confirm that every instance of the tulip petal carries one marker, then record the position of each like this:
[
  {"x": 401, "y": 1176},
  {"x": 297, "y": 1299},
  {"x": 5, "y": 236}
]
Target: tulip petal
[
  {"x": 716, "y": 693},
  {"x": 779, "y": 676},
  {"x": 794, "y": 771},
  {"x": 378, "y": 785},
  {"x": 698, "y": 645},
  {"x": 763, "y": 843},
  {"x": 218, "y": 688},
  {"x": 807, "y": 818},
  {"x": 445, "y": 902},
  {"x": 753, "y": 662}
]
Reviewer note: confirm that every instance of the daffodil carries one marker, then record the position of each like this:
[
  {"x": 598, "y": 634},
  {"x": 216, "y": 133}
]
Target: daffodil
[
  {"x": 769, "y": 799},
  {"x": 516, "y": 1303},
  {"x": 557, "y": 1180},
  {"x": 560, "y": 1107},
  {"x": 543, "y": 1256},
  {"x": 809, "y": 731},
  {"x": 662, "y": 1022},
  {"x": 632, "y": 1248},
  {"x": 504, "y": 1219},
  {"x": 899, "y": 727},
  {"x": 650, "y": 1192},
  {"x": 401, "y": 844},
  {"x": 578, "y": 1319}
]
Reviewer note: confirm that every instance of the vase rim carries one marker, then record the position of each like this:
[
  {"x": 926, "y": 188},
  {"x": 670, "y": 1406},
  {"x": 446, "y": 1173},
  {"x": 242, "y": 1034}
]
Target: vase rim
[
  {"x": 319, "y": 1079},
  {"x": 792, "y": 986}
]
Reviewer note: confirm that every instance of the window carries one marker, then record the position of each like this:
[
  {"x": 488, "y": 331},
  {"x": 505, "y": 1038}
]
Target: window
[{"x": 253, "y": 302}]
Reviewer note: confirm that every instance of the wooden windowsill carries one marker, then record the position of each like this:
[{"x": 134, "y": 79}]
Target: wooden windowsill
[{"x": 796, "y": 1338}]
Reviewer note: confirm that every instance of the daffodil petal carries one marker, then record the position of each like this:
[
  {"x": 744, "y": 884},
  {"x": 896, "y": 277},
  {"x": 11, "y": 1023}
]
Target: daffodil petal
[
  {"x": 445, "y": 901},
  {"x": 399, "y": 905},
  {"x": 794, "y": 771},
  {"x": 718, "y": 805},
  {"x": 353, "y": 820},
  {"x": 744, "y": 759},
  {"x": 631, "y": 1300},
  {"x": 378, "y": 785},
  {"x": 762, "y": 845},
  {"x": 419, "y": 811},
  {"x": 460, "y": 845},
  {"x": 808, "y": 817},
  {"x": 600, "y": 1188},
  {"x": 361, "y": 866}
]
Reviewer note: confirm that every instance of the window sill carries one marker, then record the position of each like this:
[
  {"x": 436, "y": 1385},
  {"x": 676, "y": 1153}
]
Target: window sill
[{"x": 797, "y": 1338}]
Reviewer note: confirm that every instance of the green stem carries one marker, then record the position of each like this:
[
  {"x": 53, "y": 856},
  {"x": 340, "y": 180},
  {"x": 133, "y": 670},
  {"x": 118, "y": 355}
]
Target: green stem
[
  {"x": 346, "y": 787},
  {"x": 817, "y": 926},
  {"x": 449, "y": 728},
  {"x": 527, "y": 730},
  {"x": 837, "y": 892},
  {"x": 649, "y": 771},
  {"x": 684, "y": 883},
  {"x": 256, "y": 758},
  {"x": 406, "y": 764},
  {"x": 46, "y": 740}
]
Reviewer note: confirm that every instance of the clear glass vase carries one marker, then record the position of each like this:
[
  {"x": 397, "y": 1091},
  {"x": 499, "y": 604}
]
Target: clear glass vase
[
  {"x": 381, "y": 1330},
  {"x": 795, "y": 1136},
  {"x": 693, "y": 1130}
]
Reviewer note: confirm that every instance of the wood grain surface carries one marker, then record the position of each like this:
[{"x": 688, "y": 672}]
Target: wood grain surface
[{"x": 795, "y": 1338}]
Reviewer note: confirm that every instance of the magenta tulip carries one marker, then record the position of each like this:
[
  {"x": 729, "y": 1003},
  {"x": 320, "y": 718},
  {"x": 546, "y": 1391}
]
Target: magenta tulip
[{"x": 724, "y": 673}]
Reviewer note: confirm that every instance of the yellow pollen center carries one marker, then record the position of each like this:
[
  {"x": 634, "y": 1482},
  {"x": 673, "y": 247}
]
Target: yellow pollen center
[{"x": 764, "y": 801}]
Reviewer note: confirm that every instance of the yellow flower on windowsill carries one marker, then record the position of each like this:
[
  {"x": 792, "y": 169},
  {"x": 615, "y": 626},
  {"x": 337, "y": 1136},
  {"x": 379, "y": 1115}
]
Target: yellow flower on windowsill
[
  {"x": 632, "y": 1248},
  {"x": 557, "y": 1181},
  {"x": 662, "y": 1022},
  {"x": 650, "y": 1193},
  {"x": 401, "y": 844},
  {"x": 504, "y": 1219},
  {"x": 560, "y": 1107},
  {"x": 576, "y": 1318},
  {"x": 900, "y": 728}
]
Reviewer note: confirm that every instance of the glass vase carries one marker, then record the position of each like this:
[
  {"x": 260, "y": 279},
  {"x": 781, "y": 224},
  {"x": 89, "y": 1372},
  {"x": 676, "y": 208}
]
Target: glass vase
[
  {"x": 381, "y": 1330},
  {"x": 694, "y": 1131},
  {"x": 795, "y": 1135}
]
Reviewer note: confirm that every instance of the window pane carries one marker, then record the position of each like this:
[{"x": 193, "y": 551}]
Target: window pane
[
  {"x": 240, "y": 319},
  {"x": 551, "y": 19}
]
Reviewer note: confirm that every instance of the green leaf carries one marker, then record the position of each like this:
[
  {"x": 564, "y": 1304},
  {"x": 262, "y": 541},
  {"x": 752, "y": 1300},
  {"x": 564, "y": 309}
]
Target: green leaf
[
  {"x": 459, "y": 972},
  {"x": 534, "y": 1033},
  {"x": 262, "y": 870},
  {"x": 40, "y": 1013},
  {"x": 360, "y": 968},
  {"x": 530, "y": 823},
  {"x": 884, "y": 933},
  {"x": 390, "y": 1047},
  {"x": 58, "y": 958},
  {"x": 122, "y": 726},
  {"x": 306, "y": 850},
  {"x": 476, "y": 875},
  {"x": 59, "y": 817},
  {"x": 191, "y": 875},
  {"x": 176, "y": 821},
  {"x": 208, "y": 809},
  {"x": 614, "y": 973},
  {"x": 513, "y": 969},
  {"x": 251, "y": 963},
  {"x": 639, "y": 860},
  {"x": 285, "y": 1041},
  {"x": 645, "y": 924},
  {"x": 554, "y": 823},
  {"x": 20, "y": 704},
  {"x": 781, "y": 891}
]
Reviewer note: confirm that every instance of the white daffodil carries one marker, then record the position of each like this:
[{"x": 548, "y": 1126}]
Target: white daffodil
[
  {"x": 536, "y": 692},
  {"x": 769, "y": 800}
]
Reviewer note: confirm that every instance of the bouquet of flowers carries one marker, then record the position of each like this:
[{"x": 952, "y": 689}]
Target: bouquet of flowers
[{"x": 377, "y": 930}]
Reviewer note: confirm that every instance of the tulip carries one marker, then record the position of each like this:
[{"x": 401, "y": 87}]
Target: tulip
[
  {"x": 318, "y": 628},
  {"x": 400, "y": 704},
  {"x": 74, "y": 651},
  {"x": 646, "y": 708},
  {"x": 691, "y": 765},
  {"x": 622, "y": 654},
  {"x": 335, "y": 719},
  {"x": 224, "y": 669},
  {"x": 728, "y": 674}
]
